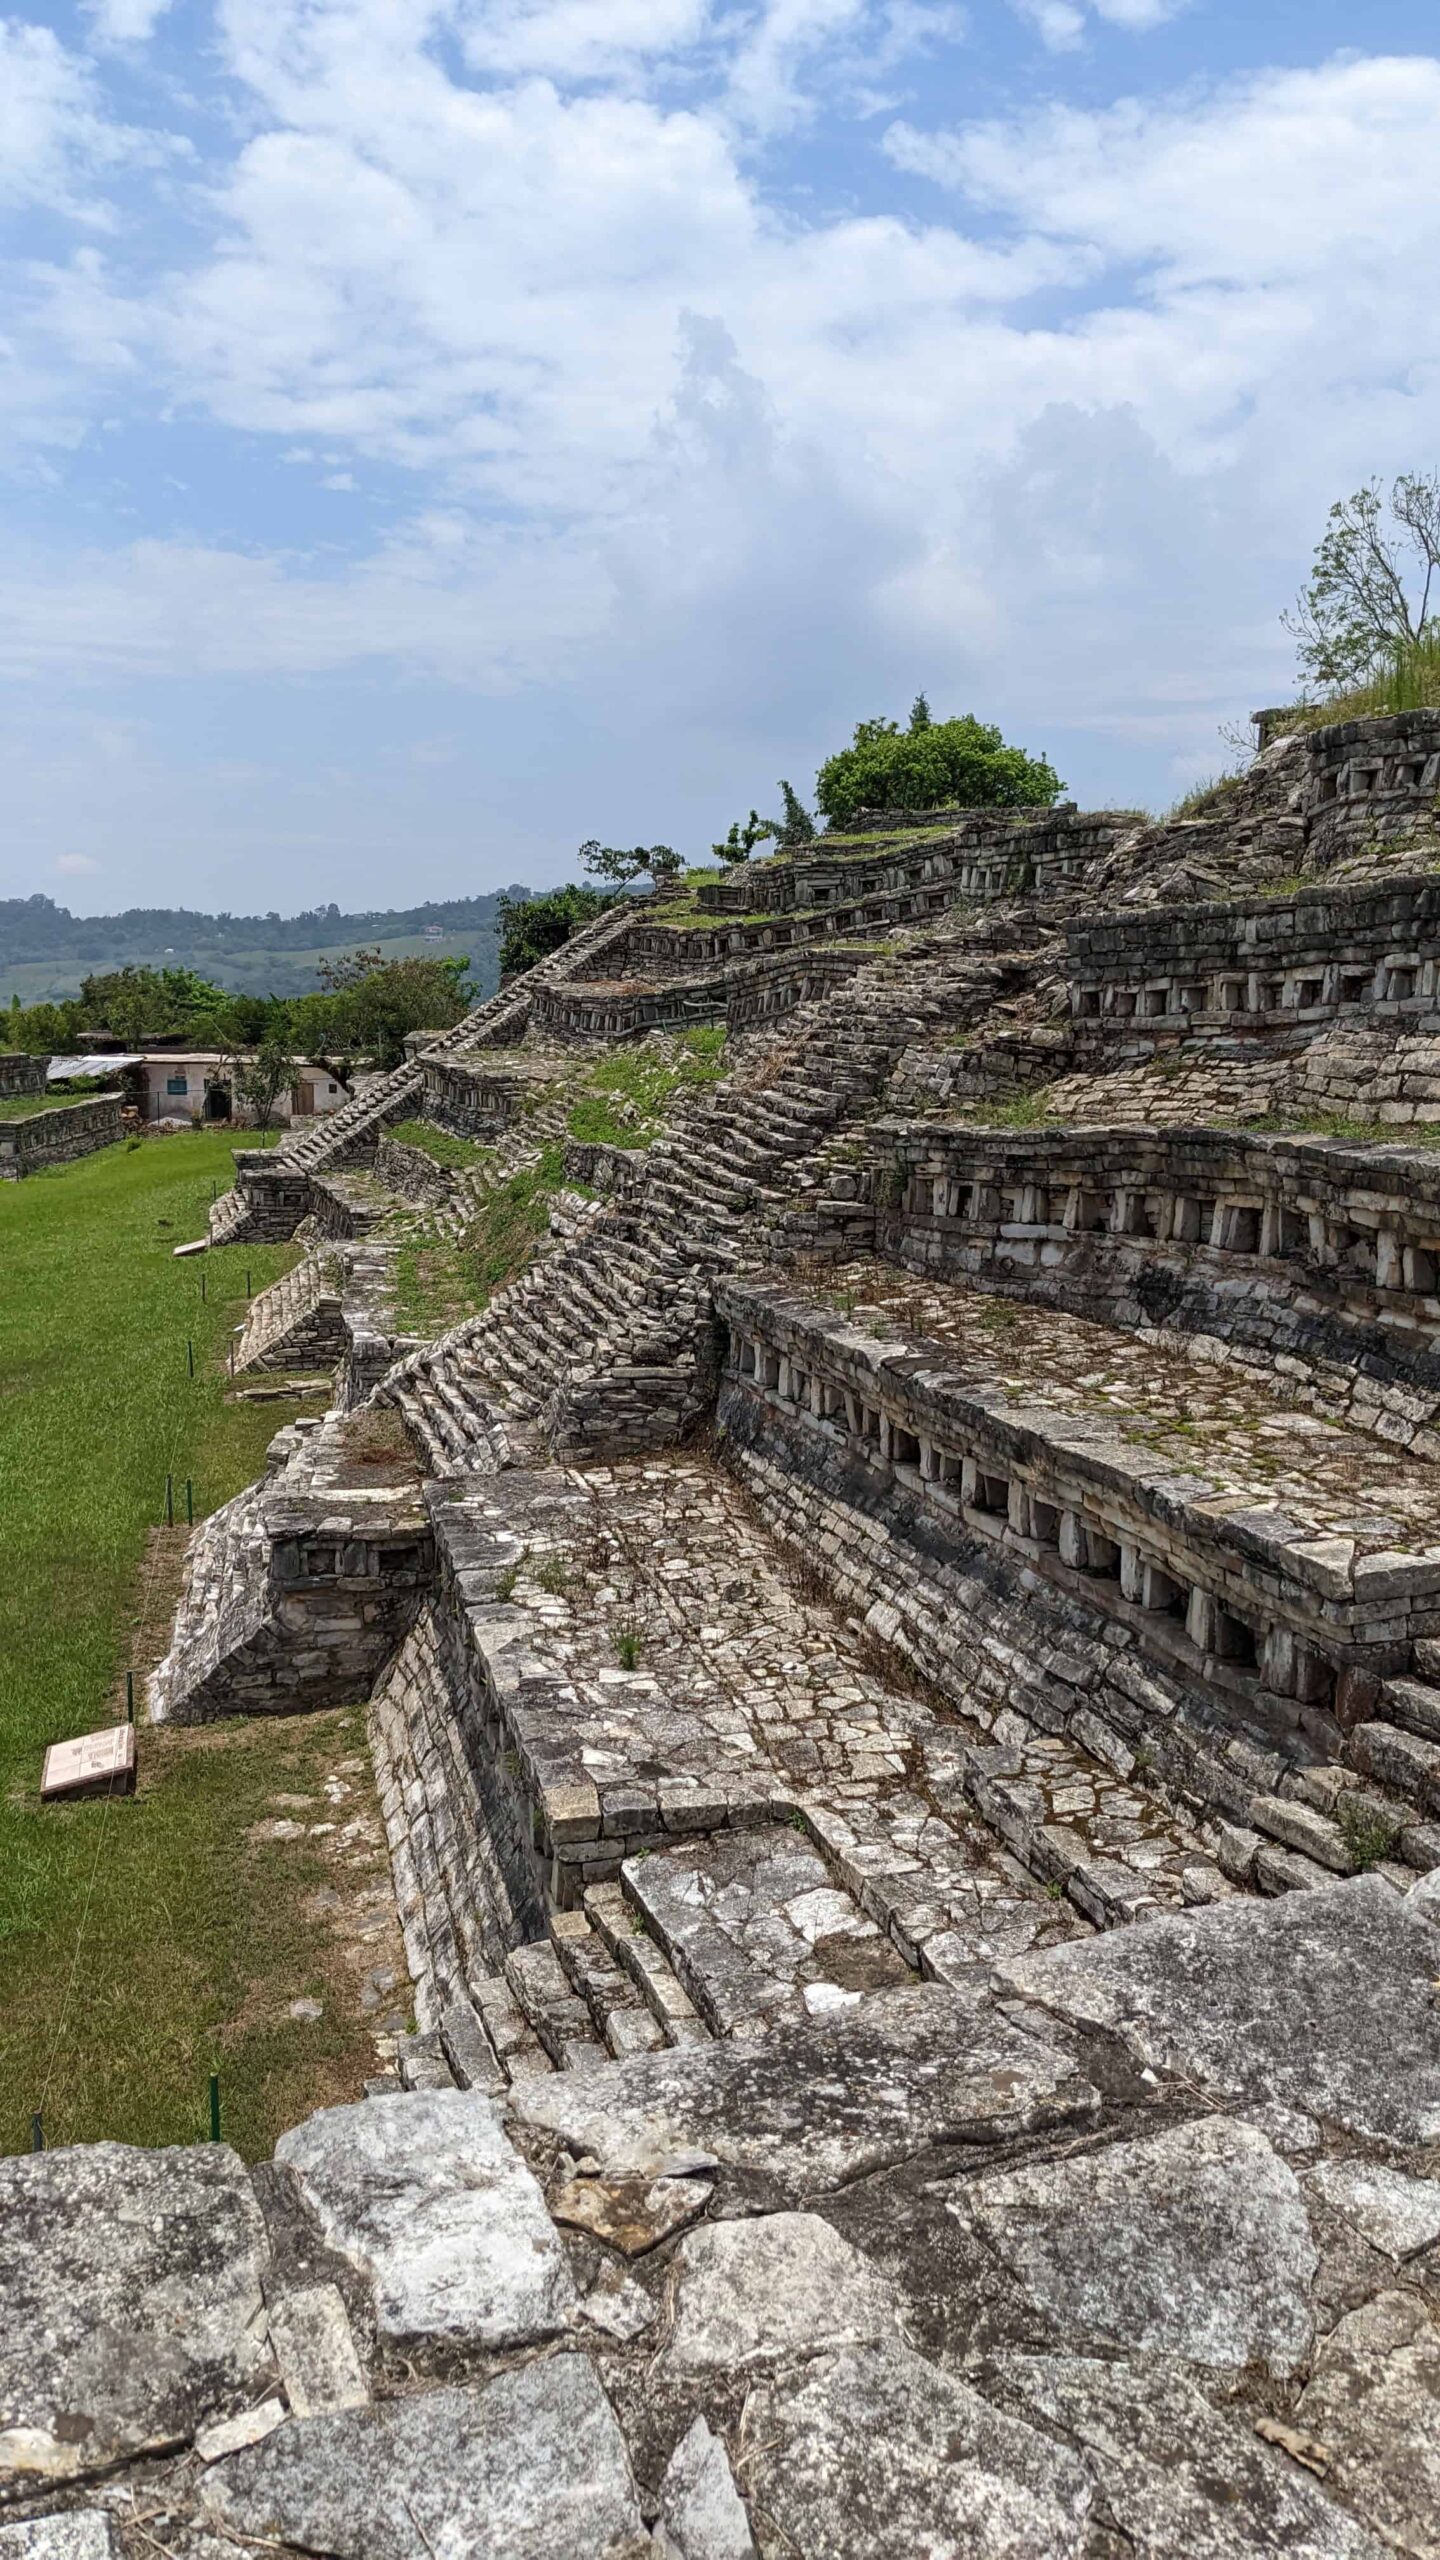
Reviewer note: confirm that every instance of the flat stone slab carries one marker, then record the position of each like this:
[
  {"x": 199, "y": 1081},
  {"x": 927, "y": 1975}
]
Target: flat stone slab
[
  {"x": 701, "y": 2516},
  {"x": 1375, "y": 2402},
  {"x": 85, "y": 2533},
  {"x": 876, "y": 2454},
  {"x": 133, "y": 2313},
  {"x": 424, "y": 2194},
  {"x": 754, "y": 2294},
  {"x": 90, "y": 1764},
  {"x": 1397, "y": 2215},
  {"x": 825, "y": 2102},
  {"x": 1180, "y": 2476},
  {"x": 1194, "y": 2242},
  {"x": 1324, "y": 2001},
  {"x": 531, "y": 2467}
]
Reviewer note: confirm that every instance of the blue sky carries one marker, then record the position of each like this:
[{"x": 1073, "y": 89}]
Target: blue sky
[{"x": 436, "y": 431}]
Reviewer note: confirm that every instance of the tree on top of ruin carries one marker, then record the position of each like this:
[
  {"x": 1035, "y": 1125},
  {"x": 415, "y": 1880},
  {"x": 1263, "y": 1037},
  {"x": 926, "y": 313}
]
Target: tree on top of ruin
[
  {"x": 934, "y": 764},
  {"x": 640, "y": 862},
  {"x": 1370, "y": 592}
]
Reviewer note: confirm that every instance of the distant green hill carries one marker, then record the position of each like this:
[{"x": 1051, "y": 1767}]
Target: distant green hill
[{"x": 45, "y": 951}]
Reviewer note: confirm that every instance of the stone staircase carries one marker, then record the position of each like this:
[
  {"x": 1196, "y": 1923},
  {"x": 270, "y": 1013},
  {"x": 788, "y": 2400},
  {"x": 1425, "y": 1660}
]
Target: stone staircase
[
  {"x": 296, "y": 1323},
  {"x": 608, "y": 1340}
]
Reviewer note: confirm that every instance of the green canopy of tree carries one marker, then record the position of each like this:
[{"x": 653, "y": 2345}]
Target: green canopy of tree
[
  {"x": 531, "y": 928},
  {"x": 368, "y": 1007},
  {"x": 934, "y": 764}
]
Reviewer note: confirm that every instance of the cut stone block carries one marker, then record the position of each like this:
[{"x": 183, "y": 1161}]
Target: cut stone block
[
  {"x": 1320, "y": 2001},
  {"x": 701, "y": 2517},
  {"x": 1375, "y": 2401},
  {"x": 829, "y": 2101},
  {"x": 91, "y": 1764},
  {"x": 1395, "y": 2214},
  {"x": 133, "y": 2310},
  {"x": 878, "y": 2455},
  {"x": 84, "y": 2533},
  {"x": 752, "y": 1919},
  {"x": 315, "y": 2350},
  {"x": 426, "y": 2196},
  {"x": 1193, "y": 2243},
  {"x": 1179, "y": 2475},
  {"x": 531, "y": 2467},
  {"x": 754, "y": 2294}
]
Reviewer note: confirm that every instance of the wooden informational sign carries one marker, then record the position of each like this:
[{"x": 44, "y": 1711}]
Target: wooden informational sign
[{"x": 93, "y": 1764}]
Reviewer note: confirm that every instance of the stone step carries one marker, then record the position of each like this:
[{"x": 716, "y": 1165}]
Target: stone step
[
  {"x": 1401, "y": 1760},
  {"x": 557, "y": 2015},
  {"x": 756, "y": 1929},
  {"x": 620, "y": 2017},
  {"x": 1415, "y": 1704},
  {"x": 619, "y": 1926}
]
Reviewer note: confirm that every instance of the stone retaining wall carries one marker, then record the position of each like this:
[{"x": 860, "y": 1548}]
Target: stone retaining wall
[
  {"x": 67, "y": 1130},
  {"x": 412, "y": 1173},
  {"x": 1294, "y": 1630},
  {"x": 1371, "y": 780},
  {"x": 1286, "y": 961},
  {"x": 1324, "y": 1257}
]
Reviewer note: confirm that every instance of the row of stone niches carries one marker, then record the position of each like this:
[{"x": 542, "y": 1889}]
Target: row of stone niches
[
  {"x": 1178, "y": 1618},
  {"x": 1399, "y": 978},
  {"x": 1357, "y": 1250}
]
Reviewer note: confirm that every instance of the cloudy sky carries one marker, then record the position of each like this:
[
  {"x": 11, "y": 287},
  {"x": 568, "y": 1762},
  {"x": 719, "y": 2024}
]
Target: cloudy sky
[{"x": 435, "y": 431}]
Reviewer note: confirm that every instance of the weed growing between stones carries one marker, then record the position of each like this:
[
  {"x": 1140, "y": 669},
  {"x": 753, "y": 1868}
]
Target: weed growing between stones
[
  {"x": 629, "y": 1645},
  {"x": 1369, "y": 1835}
]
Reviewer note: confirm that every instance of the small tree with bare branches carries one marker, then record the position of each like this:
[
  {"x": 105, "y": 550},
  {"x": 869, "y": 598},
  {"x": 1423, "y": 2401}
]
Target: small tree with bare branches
[{"x": 1368, "y": 600}]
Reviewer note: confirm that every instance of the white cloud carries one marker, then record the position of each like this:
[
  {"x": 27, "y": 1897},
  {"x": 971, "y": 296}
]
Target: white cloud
[
  {"x": 1063, "y": 23},
  {"x": 669, "y": 438},
  {"x": 75, "y": 866},
  {"x": 121, "y": 22},
  {"x": 55, "y": 138}
]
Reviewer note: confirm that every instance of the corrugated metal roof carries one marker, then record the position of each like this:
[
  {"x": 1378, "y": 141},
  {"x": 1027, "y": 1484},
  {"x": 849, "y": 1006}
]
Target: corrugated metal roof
[{"x": 103, "y": 1062}]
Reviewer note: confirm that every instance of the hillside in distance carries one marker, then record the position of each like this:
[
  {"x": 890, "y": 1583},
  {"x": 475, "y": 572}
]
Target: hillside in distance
[{"x": 45, "y": 951}]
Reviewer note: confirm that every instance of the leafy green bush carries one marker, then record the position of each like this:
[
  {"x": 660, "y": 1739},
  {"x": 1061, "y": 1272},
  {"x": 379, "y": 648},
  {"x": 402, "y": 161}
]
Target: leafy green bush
[{"x": 935, "y": 765}]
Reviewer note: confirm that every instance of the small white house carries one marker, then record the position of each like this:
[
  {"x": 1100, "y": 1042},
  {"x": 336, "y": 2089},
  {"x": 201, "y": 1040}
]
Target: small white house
[{"x": 195, "y": 1085}]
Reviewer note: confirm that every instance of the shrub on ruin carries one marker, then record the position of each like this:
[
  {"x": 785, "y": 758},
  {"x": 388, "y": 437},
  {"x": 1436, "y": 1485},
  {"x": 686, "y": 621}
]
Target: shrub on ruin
[
  {"x": 623, "y": 865},
  {"x": 934, "y": 764}
]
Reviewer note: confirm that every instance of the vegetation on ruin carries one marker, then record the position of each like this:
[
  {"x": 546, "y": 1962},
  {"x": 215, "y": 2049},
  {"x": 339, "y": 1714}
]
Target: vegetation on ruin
[
  {"x": 1367, "y": 603},
  {"x": 934, "y": 764},
  {"x": 144, "y": 1943},
  {"x": 441, "y": 1145},
  {"x": 627, "y": 1093}
]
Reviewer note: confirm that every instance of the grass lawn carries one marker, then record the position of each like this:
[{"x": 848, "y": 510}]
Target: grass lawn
[{"x": 144, "y": 1943}]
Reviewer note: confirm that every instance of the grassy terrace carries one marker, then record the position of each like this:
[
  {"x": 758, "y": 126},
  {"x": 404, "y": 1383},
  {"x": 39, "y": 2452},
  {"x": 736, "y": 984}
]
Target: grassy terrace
[
  {"x": 617, "y": 1101},
  {"x": 145, "y": 1943},
  {"x": 24, "y": 1106}
]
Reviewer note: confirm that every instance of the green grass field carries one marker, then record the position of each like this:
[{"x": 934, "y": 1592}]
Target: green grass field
[{"x": 145, "y": 1942}]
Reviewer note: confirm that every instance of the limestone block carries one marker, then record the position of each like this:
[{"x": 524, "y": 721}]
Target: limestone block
[
  {"x": 1194, "y": 2243},
  {"x": 755, "y": 2294},
  {"x": 310, "y": 2333},
  {"x": 426, "y": 2196},
  {"x": 829, "y": 2101},
  {"x": 1323, "y": 2001},
  {"x": 1375, "y": 2402},
  {"x": 1395, "y": 2214},
  {"x": 84, "y": 2533},
  {"x": 1179, "y": 2475},
  {"x": 701, "y": 2517},
  {"x": 133, "y": 2313},
  {"x": 531, "y": 2467},
  {"x": 876, "y": 2454}
]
